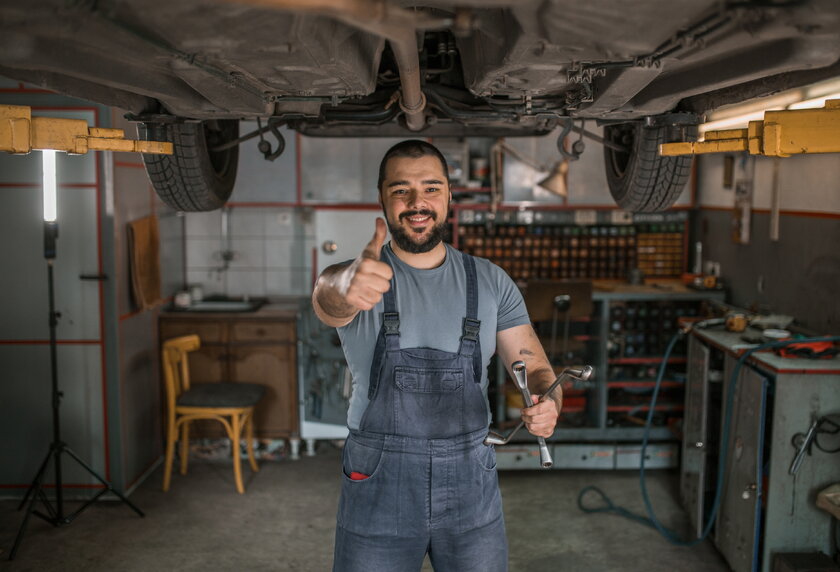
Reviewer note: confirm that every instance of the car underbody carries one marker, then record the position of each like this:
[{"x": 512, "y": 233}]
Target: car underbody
[{"x": 443, "y": 68}]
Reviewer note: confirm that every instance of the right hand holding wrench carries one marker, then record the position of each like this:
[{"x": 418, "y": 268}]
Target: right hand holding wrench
[{"x": 543, "y": 428}]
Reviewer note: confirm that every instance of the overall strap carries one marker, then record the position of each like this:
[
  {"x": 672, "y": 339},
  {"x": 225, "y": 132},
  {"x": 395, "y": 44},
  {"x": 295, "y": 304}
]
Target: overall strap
[
  {"x": 470, "y": 340},
  {"x": 388, "y": 339}
]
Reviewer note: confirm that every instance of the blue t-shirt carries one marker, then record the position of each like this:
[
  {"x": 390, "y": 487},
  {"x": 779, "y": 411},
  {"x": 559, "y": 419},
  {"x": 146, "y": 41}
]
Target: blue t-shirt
[{"x": 432, "y": 304}]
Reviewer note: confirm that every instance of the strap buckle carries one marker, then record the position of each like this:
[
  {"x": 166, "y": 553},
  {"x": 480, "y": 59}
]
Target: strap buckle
[
  {"x": 471, "y": 328},
  {"x": 391, "y": 322}
]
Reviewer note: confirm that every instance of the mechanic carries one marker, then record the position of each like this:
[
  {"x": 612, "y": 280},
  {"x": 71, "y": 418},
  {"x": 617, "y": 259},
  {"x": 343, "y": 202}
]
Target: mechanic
[{"x": 418, "y": 322}]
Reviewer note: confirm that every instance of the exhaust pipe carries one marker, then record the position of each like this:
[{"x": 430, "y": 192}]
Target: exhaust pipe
[{"x": 397, "y": 25}]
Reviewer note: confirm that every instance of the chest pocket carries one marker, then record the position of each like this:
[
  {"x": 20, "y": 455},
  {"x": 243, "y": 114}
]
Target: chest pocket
[{"x": 423, "y": 380}]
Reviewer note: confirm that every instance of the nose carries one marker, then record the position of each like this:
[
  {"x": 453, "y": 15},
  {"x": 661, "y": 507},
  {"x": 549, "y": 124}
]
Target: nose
[{"x": 415, "y": 200}]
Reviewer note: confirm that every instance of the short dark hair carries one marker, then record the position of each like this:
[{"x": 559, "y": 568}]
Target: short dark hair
[{"x": 413, "y": 149}]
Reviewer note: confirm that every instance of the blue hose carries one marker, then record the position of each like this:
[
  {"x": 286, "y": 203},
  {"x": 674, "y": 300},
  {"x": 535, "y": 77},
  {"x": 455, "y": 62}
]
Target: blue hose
[{"x": 651, "y": 519}]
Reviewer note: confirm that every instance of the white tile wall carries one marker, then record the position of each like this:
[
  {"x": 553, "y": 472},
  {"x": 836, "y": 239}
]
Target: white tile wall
[
  {"x": 248, "y": 252},
  {"x": 207, "y": 224},
  {"x": 271, "y": 251},
  {"x": 250, "y": 282}
]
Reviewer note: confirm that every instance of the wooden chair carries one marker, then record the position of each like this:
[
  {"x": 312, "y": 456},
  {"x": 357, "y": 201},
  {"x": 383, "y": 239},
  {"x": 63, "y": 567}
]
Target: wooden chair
[{"x": 232, "y": 404}]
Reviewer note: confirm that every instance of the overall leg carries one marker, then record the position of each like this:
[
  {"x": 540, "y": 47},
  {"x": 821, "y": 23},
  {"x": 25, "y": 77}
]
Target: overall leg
[
  {"x": 366, "y": 553},
  {"x": 482, "y": 549}
]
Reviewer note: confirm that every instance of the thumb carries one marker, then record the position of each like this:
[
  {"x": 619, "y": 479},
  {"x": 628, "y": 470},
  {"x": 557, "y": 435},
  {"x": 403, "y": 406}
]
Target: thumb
[{"x": 375, "y": 245}]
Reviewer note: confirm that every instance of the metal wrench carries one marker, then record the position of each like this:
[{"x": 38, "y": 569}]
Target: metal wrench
[
  {"x": 521, "y": 378},
  {"x": 582, "y": 374}
]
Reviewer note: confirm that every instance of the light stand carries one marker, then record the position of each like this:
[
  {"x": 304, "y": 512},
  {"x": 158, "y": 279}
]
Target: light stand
[{"x": 55, "y": 512}]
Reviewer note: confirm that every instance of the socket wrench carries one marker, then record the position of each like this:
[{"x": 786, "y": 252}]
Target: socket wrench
[
  {"x": 582, "y": 374},
  {"x": 521, "y": 378}
]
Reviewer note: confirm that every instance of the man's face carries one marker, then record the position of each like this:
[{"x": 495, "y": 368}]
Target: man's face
[{"x": 415, "y": 198}]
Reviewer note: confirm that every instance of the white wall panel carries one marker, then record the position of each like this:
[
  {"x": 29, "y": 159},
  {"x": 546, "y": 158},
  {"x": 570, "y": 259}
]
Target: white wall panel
[
  {"x": 350, "y": 230},
  {"x": 24, "y": 281},
  {"x": 806, "y": 182},
  {"x": 25, "y": 404},
  {"x": 259, "y": 180}
]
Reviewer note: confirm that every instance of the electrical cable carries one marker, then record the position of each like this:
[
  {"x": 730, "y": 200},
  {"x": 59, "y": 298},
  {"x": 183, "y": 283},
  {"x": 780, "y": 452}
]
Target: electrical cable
[{"x": 651, "y": 519}]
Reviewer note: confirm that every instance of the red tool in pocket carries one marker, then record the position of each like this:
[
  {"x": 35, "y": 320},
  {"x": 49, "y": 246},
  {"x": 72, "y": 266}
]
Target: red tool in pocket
[{"x": 357, "y": 476}]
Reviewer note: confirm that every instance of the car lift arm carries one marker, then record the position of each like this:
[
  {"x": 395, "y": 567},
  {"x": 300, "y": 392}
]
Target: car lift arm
[
  {"x": 781, "y": 134},
  {"x": 22, "y": 133}
]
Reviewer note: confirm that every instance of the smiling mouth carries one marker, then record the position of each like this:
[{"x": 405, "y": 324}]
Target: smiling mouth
[{"x": 418, "y": 219}]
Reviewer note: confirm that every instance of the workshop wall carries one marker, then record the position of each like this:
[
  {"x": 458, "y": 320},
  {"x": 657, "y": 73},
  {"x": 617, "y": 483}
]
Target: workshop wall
[
  {"x": 798, "y": 274},
  {"x": 139, "y": 411},
  {"x": 268, "y": 246}
]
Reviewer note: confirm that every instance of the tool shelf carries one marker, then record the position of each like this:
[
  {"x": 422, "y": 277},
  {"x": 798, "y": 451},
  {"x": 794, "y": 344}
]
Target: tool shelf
[{"x": 609, "y": 411}]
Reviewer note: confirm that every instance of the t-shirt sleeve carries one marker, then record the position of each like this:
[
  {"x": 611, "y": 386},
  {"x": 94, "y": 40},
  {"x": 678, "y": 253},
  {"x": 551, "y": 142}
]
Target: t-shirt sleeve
[{"x": 512, "y": 311}]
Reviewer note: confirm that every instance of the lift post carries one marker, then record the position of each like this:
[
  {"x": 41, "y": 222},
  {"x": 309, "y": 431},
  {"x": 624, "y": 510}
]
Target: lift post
[
  {"x": 21, "y": 133},
  {"x": 780, "y": 134}
]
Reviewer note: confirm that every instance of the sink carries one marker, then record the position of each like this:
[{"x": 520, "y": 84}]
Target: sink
[{"x": 251, "y": 305}]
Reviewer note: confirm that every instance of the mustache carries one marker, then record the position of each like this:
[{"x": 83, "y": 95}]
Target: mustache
[{"x": 421, "y": 212}]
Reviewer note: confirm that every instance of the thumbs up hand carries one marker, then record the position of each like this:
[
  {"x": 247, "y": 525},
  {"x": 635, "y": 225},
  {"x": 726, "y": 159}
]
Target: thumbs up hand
[{"x": 363, "y": 283}]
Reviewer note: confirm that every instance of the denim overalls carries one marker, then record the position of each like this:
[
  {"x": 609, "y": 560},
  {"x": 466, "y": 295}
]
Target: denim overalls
[{"x": 432, "y": 484}]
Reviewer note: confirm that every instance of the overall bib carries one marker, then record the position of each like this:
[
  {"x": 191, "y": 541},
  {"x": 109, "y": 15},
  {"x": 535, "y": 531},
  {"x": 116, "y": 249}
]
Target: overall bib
[{"x": 432, "y": 484}]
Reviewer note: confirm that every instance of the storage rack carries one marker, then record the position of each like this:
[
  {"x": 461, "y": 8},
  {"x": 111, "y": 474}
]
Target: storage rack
[
  {"x": 591, "y": 244},
  {"x": 625, "y": 336}
]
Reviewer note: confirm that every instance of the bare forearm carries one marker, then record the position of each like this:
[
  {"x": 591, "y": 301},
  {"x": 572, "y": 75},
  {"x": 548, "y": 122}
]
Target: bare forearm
[
  {"x": 523, "y": 344},
  {"x": 541, "y": 379},
  {"x": 328, "y": 299}
]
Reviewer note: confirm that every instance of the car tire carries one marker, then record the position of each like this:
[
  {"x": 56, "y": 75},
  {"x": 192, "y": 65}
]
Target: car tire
[
  {"x": 640, "y": 180},
  {"x": 194, "y": 178}
]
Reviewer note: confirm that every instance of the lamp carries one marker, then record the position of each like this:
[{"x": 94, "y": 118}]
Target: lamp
[
  {"x": 55, "y": 510},
  {"x": 554, "y": 183},
  {"x": 50, "y": 185}
]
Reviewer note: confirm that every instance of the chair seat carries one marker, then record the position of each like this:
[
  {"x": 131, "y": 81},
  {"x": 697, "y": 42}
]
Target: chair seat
[{"x": 222, "y": 395}]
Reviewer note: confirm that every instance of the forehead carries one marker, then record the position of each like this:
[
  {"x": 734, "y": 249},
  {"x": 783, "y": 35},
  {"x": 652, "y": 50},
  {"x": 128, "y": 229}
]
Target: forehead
[{"x": 409, "y": 168}]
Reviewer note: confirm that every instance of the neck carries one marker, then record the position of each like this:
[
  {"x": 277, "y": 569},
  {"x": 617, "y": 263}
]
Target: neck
[{"x": 424, "y": 261}]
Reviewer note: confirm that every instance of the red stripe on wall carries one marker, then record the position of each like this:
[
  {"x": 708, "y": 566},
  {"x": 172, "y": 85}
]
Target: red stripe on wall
[
  {"x": 783, "y": 212},
  {"x": 46, "y": 342}
]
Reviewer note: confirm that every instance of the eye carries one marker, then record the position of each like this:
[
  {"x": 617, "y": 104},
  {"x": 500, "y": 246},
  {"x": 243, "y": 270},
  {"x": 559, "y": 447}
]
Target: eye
[
  {"x": 433, "y": 190},
  {"x": 399, "y": 192}
]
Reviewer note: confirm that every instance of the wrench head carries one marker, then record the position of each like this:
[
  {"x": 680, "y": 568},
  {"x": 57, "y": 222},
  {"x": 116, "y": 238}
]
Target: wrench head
[{"x": 494, "y": 438}]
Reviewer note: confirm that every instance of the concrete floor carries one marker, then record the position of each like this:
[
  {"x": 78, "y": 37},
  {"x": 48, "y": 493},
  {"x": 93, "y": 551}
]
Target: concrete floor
[{"x": 285, "y": 522}]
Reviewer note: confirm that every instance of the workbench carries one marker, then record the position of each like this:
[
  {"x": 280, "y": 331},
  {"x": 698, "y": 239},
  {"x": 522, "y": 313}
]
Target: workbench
[{"x": 764, "y": 509}]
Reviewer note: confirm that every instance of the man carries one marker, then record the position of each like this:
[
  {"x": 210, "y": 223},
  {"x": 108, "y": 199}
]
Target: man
[{"x": 418, "y": 323}]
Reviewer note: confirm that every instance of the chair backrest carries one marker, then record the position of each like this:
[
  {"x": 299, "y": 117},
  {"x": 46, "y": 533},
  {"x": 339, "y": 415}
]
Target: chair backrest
[{"x": 176, "y": 369}]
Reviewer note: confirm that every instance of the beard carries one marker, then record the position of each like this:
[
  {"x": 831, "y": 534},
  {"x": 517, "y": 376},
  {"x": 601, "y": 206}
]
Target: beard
[{"x": 439, "y": 232}]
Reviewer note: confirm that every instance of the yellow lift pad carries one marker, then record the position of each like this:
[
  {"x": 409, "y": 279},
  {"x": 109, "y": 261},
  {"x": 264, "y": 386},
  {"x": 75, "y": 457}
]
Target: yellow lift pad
[
  {"x": 780, "y": 134},
  {"x": 22, "y": 133}
]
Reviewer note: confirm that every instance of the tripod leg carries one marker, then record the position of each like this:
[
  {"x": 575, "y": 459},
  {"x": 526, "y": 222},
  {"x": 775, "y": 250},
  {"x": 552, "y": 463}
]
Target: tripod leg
[
  {"x": 103, "y": 481},
  {"x": 37, "y": 478},
  {"x": 36, "y": 485}
]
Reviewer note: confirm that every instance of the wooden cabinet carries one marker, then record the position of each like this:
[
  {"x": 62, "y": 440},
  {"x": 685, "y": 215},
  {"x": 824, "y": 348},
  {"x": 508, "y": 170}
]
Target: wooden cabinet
[{"x": 254, "y": 347}]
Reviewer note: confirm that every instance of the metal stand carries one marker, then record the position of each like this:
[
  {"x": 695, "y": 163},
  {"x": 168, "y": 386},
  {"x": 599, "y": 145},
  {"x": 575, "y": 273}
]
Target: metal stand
[{"x": 55, "y": 512}]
